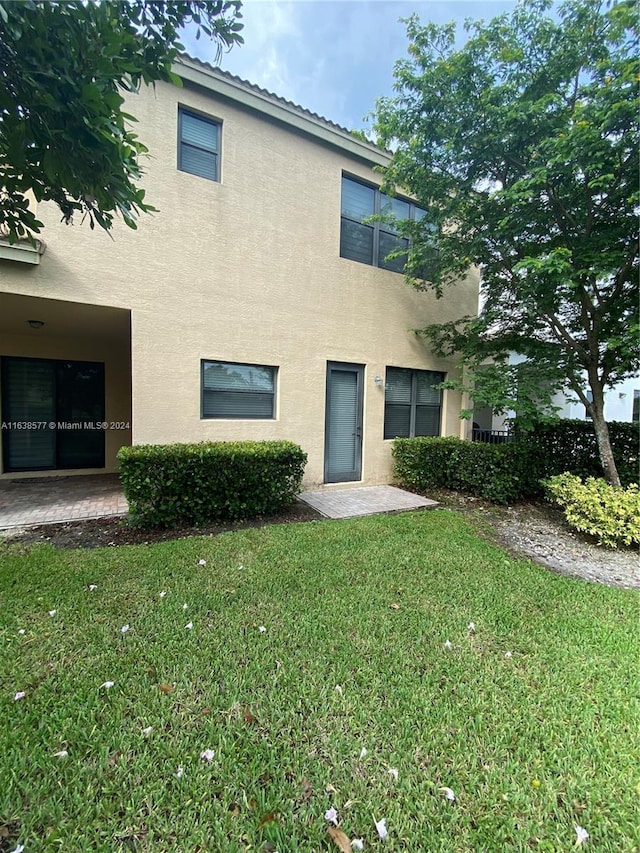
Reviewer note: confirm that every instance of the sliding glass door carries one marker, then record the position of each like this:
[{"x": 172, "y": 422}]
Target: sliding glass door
[{"x": 52, "y": 414}]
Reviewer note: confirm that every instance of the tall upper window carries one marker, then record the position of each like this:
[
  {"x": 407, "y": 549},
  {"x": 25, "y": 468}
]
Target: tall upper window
[
  {"x": 370, "y": 243},
  {"x": 240, "y": 391},
  {"x": 198, "y": 145},
  {"x": 635, "y": 412},
  {"x": 412, "y": 406}
]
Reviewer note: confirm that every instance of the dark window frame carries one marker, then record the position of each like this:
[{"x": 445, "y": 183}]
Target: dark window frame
[
  {"x": 413, "y": 404},
  {"x": 377, "y": 227},
  {"x": 635, "y": 406},
  {"x": 213, "y": 122},
  {"x": 205, "y": 362},
  {"x": 59, "y": 414}
]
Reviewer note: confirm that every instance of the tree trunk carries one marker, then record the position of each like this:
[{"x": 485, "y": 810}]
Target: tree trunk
[{"x": 604, "y": 444}]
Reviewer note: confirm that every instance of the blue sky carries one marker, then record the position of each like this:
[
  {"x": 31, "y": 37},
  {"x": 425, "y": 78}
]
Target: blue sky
[{"x": 334, "y": 57}]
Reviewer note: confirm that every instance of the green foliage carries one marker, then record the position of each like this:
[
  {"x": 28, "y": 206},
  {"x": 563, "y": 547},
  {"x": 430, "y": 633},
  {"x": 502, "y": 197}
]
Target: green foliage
[
  {"x": 63, "y": 132},
  {"x": 509, "y": 472},
  {"x": 524, "y": 146},
  {"x": 567, "y": 445},
  {"x": 610, "y": 514},
  {"x": 498, "y": 472},
  {"x": 172, "y": 484}
]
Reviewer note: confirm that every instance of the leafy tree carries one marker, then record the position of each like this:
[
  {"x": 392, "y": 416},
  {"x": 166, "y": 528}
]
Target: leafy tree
[
  {"x": 63, "y": 68},
  {"x": 523, "y": 144}
]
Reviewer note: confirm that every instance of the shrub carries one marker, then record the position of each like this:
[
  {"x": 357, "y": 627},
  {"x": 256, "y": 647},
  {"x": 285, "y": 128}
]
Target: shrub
[
  {"x": 508, "y": 472},
  {"x": 609, "y": 513},
  {"x": 570, "y": 445},
  {"x": 172, "y": 484},
  {"x": 498, "y": 472}
]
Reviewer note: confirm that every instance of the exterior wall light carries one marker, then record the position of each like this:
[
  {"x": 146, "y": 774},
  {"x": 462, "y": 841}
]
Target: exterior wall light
[{"x": 378, "y": 380}]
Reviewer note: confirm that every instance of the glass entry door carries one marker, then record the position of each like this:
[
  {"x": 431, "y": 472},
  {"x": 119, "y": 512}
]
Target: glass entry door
[
  {"x": 52, "y": 414},
  {"x": 343, "y": 423}
]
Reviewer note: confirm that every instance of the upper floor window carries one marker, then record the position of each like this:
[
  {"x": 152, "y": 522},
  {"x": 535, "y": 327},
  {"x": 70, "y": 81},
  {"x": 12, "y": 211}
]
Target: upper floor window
[
  {"x": 198, "y": 145},
  {"x": 241, "y": 391},
  {"x": 412, "y": 406},
  {"x": 371, "y": 242},
  {"x": 635, "y": 412}
]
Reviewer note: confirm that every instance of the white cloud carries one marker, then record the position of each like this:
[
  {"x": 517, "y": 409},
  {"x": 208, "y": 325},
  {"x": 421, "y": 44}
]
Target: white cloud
[{"x": 332, "y": 57}]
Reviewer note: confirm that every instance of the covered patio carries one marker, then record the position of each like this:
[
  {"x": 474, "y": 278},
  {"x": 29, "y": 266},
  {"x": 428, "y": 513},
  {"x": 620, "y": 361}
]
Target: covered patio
[
  {"x": 50, "y": 500},
  {"x": 65, "y": 386}
]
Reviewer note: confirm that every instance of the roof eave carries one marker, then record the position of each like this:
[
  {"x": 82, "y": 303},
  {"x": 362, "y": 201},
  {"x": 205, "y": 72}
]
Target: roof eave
[{"x": 275, "y": 109}]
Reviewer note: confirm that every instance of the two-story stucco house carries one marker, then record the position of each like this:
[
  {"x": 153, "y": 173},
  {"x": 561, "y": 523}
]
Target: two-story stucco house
[{"x": 255, "y": 304}]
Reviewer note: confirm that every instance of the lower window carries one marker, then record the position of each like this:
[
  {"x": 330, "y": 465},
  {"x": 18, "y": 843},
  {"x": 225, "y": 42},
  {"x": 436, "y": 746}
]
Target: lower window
[
  {"x": 412, "y": 406},
  {"x": 239, "y": 391}
]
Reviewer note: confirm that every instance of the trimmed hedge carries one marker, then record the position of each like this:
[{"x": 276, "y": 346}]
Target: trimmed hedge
[
  {"x": 571, "y": 446},
  {"x": 497, "y": 472},
  {"x": 173, "y": 484},
  {"x": 508, "y": 472}
]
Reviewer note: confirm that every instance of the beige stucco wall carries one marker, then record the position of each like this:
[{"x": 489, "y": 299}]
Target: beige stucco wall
[{"x": 245, "y": 270}]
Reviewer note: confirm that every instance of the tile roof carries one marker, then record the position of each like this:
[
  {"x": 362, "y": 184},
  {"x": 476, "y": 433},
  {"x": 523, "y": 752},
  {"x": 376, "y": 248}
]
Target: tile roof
[{"x": 277, "y": 98}]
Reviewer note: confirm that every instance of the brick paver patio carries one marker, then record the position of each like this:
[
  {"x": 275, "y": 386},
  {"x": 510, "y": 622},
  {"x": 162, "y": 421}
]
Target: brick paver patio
[
  {"x": 48, "y": 500},
  {"x": 364, "y": 500}
]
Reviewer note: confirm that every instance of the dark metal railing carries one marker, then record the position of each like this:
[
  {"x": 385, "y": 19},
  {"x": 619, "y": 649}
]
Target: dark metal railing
[{"x": 491, "y": 436}]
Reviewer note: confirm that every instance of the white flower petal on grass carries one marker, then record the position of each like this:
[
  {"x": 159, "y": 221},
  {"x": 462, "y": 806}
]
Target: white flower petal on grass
[
  {"x": 448, "y": 644},
  {"x": 202, "y": 562},
  {"x": 189, "y": 626},
  {"x": 357, "y": 844},
  {"x": 508, "y": 654},
  {"x": 21, "y": 631},
  {"x": 381, "y": 827},
  {"x": 338, "y": 689},
  {"x": 18, "y": 849},
  {"x": 163, "y": 594},
  {"x": 62, "y": 754},
  {"x": 448, "y": 792},
  {"x": 471, "y": 627},
  {"x": 124, "y": 629},
  {"x": 147, "y": 731},
  {"x": 93, "y": 586},
  {"x": 363, "y": 752},
  {"x": 207, "y": 755},
  {"x": 581, "y": 834},
  {"x": 180, "y": 771},
  {"x": 107, "y": 684},
  {"x": 262, "y": 629},
  {"x": 185, "y": 606},
  {"x": 19, "y": 695},
  {"x": 393, "y": 772},
  {"x": 52, "y": 612},
  {"x": 331, "y": 815}
]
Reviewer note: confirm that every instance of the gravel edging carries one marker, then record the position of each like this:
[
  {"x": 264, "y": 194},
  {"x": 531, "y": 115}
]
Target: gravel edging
[{"x": 539, "y": 531}]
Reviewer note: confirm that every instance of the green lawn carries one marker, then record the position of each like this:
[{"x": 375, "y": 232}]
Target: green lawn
[{"x": 310, "y": 644}]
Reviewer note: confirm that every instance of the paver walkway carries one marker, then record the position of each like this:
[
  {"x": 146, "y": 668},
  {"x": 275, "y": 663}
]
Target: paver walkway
[
  {"x": 50, "y": 500},
  {"x": 364, "y": 500},
  {"x": 24, "y": 503}
]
